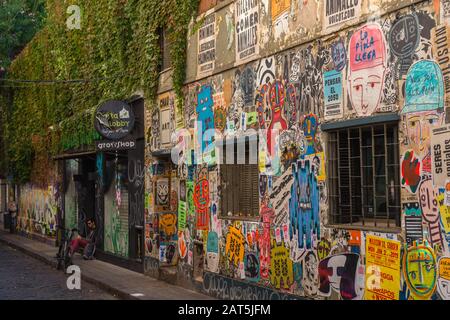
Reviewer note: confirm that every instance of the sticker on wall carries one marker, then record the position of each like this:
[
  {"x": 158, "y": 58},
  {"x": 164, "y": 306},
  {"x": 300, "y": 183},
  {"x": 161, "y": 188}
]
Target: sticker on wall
[
  {"x": 382, "y": 269},
  {"x": 428, "y": 195},
  {"x": 404, "y": 38},
  {"x": 212, "y": 252},
  {"x": 338, "y": 274},
  {"x": 168, "y": 225},
  {"x": 411, "y": 171},
  {"x": 280, "y": 10},
  {"x": 443, "y": 285},
  {"x": 333, "y": 95},
  {"x": 234, "y": 246},
  {"x": 202, "y": 199},
  {"x": 366, "y": 72},
  {"x": 251, "y": 263},
  {"x": 413, "y": 222},
  {"x": 440, "y": 157},
  {"x": 281, "y": 268},
  {"x": 419, "y": 270},
  {"x": 181, "y": 215}
]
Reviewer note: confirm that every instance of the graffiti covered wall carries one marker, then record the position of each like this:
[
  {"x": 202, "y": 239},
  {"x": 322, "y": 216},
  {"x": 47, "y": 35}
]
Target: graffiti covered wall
[
  {"x": 394, "y": 64},
  {"x": 37, "y": 210}
]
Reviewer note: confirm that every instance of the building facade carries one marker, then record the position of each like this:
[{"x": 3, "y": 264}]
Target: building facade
[{"x": 308, "y": 160}]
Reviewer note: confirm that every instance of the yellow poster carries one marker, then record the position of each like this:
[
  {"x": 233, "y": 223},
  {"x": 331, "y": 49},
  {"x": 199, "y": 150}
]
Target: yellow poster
[
  {"x": 279, "y": 7},
  {"x": 444, "y": 212},
  {"x": 382, "y": 268}
]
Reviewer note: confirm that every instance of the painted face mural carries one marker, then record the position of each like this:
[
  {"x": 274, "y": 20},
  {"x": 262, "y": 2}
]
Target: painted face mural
[
  {"x": 404, "y": 36},
  {"x": 311, "y": 274},
  {"x": 419, "y": 126},
  {"x": 162, "y": 192},
  {"x": 202, "y": 199},
  {"x": 428, "y": 201},
  {"x": 428, "y": 195},
  {"x": 419, "y": 268},
  {"x": 338, "y": 273},
  {"x": 367, "y": 58},
  {"x": 444, "y": 278},
  {"x": 423, "y": 110}
]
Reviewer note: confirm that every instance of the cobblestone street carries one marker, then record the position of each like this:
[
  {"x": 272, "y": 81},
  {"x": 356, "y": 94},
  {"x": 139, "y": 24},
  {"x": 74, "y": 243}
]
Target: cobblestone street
[{"x": 24, "y": 278}]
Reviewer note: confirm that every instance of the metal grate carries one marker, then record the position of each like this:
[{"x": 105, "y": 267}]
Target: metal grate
[{"x": 364, "y": 176}]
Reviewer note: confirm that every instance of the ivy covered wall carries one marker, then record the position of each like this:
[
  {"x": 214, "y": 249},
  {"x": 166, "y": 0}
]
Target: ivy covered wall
[{"x": 115, "y": 53}]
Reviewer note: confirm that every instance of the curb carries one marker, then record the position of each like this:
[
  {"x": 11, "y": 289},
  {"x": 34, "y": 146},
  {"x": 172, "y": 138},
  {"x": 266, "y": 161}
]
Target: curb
[{"x": 102, "y": 285}]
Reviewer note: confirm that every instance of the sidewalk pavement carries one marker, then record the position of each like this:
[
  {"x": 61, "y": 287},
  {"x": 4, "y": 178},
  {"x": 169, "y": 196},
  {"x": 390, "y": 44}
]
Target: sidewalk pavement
[{"x": 124, "y": 283}]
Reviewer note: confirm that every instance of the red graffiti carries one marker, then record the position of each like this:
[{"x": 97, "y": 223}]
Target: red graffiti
[
  {"x": 411, "y": 171},
  {"x": 267, "y": 215},
  {"x": 201, "y": 202}
]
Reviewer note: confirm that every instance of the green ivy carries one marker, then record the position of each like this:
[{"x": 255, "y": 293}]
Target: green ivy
[{"x": 117, "y": 48}]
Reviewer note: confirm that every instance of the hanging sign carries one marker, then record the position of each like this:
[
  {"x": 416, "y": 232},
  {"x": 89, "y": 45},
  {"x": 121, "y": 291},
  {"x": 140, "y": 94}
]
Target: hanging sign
[{"x": 114, "y": 119}]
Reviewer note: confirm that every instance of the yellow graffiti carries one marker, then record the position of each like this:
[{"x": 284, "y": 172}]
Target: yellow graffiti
[
  {"x": 419, "y": 268},
  {"x": 168, "y": 224},
  {"x": 234, "y": 247},
  {"x": 444, "y": 212},
  {"x": 444, "y": 268},
  {"x": 281, "y": 267}
]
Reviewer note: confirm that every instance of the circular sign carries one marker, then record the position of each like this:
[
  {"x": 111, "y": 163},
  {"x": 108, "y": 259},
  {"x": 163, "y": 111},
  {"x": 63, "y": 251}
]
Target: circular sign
[
  {"x": 114, "y": 119},
  {"x": 404, "y": 36}
]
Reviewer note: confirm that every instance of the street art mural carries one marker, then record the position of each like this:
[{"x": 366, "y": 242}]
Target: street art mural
[
  {"x": 338, "y": 273},
  {"x": 420, "y": 270},
  {"x": 367, "y": 67},
  {"x": 304, "y": 206},
  {"x": 37, "y": 211},
  {"x": 288, "y": 248}
]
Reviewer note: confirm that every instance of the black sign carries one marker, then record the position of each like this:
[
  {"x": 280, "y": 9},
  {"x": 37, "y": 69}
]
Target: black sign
[
  {"x": 108, "y": 145},
  {"x": 114, "y": 119}
]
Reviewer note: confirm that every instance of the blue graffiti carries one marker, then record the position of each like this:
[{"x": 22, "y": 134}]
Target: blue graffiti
[
  {"x": 304, "y": 205},
  {"x": 99, "y": 164},
  {"x": 205, "y": 115}
]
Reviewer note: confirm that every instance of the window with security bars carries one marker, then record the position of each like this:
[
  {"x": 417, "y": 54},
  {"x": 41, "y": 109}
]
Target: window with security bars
[
  {"x": 364, "y": 176},
  {"x": 165, "y": 44},
  {"x": 239, "y": 178}
]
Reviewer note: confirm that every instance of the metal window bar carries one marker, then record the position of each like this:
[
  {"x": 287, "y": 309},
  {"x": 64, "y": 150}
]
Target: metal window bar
[{"x": 382, "y": 209}]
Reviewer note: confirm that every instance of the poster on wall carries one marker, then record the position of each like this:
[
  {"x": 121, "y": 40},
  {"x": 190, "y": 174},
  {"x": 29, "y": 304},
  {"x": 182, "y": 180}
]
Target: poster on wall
[
  {"x": 166, "y": 104},
  {"x": 247, "y": 27},
  {"x": 440, "y": 155},
  {"x": 382, "y": 268},
  {"x": 333, "y": 95},
  {"x": 207, "y": 45},
  {"x": 336, "y": 12}
]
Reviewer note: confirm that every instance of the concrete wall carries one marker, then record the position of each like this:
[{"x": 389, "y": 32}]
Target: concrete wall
[{"x": 281, "y": 64}]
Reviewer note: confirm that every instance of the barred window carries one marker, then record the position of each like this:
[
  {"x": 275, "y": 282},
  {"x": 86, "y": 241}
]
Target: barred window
[
  {"x": 239, "y": 178},
  {"x": 165, "y": 45},
  {"x": 364, "y": 176}
]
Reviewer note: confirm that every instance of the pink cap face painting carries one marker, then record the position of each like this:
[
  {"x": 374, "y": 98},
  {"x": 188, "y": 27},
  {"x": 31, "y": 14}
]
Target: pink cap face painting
[{"x": 367, "y": 65}]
